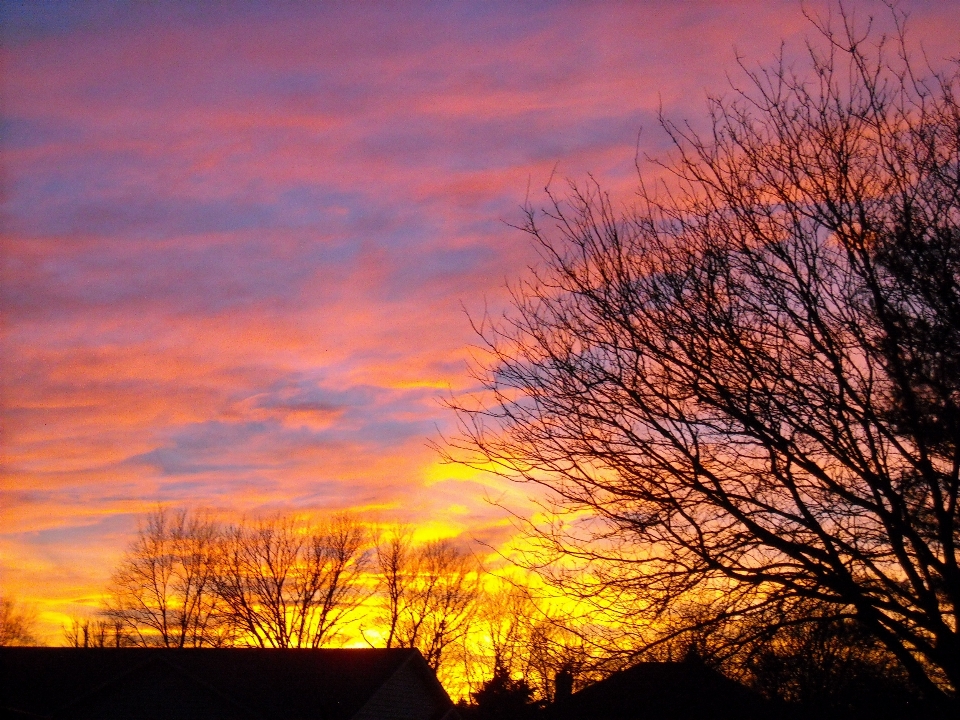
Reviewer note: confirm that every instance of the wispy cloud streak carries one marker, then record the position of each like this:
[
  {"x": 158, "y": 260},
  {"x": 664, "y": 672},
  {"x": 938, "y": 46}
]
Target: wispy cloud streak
[{"x": 238, "y": 240}]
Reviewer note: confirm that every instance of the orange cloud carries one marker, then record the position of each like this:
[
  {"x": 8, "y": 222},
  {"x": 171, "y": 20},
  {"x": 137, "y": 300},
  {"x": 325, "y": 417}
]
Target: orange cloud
[{"x": 238, "y": 245}]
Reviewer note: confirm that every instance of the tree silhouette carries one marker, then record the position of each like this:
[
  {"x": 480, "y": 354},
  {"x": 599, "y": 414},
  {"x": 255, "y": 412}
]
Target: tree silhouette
[
  {"x": 162, "y": 593},
  {"x": 286, "y": 583},
  {"x": 429, "y": 593},
  {"x": 747, "y": 386},
  {"x": 503, "y": 697},
  {"x": 97, "y": 632},
  {"x": 829, "y": 665},
  {"x": 17, "y": 622}
]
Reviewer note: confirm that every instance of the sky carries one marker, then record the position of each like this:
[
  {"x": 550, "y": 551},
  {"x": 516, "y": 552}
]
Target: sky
[{"x": 242, "y": 242}]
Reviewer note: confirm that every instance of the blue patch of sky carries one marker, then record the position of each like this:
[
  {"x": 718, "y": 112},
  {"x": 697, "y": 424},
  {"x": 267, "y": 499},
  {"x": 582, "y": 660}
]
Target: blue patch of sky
[
  {"x": 298, "y": 393},
  {"x": 28, "y": 133},
  {"x": 86, "y": 200},
  {"x": 23, "y": 20},
  {"x": 369, "y": 416},
  {"x": 76, "y": 530}
]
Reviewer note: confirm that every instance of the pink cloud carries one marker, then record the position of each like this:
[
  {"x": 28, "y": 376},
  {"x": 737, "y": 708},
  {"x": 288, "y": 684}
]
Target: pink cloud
[{"x": 238, "y": 245}]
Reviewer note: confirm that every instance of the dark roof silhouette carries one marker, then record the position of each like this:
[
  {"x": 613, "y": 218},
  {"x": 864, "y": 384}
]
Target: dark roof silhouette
[
  {"x": 212, "y": 684},
  {"x": 662, "y": 691}
]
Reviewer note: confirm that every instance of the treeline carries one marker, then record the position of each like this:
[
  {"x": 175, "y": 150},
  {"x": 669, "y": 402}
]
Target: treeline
[{"x": 190, "y": 580}]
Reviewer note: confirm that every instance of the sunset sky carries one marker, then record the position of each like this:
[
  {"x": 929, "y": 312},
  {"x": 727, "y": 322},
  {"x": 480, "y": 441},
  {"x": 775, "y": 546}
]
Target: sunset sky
[{"x": 241, "y": 240}]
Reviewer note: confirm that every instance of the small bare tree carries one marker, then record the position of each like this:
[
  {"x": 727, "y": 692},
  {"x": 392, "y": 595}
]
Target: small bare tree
[
  {"x": 505, "y": 617},
  {"x": 97, "y": 632},
  {"x": 429, "y": 593},
  {"x": 520, "y": 636},
  {"x": 290, "y": 584},
  {"x": 441, "y": 600},
  {"x": 395, "y": 565},
  {"x": 163, "y": 591},
  {"x": 17, "y": 623}
]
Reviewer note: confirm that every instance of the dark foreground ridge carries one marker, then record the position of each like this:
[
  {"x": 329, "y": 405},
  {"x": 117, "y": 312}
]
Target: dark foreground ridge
[{"x": 214, "y": 684}]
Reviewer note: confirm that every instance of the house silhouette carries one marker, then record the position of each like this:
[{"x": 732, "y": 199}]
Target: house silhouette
[
  {"x": 687, "y": 690},
  {"x": 219, "y": 684}
]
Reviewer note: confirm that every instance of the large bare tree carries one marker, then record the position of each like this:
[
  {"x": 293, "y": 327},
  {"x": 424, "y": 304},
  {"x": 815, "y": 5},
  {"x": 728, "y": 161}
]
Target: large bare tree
[{"x": 747, "y": 387}]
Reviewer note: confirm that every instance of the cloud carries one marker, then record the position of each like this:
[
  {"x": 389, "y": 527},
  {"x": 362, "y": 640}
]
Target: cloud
[{"x": 238, "y": 240}]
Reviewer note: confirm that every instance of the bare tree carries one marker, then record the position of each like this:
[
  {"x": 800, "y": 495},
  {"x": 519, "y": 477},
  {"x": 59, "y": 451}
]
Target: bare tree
[
  {"x": 521, "y": 636},
  {"x": 97, "y": 632},
  {"x": 290, "y": 584},
  {"x": 441, "y": 600},
  {"x": 826, "y": 663},
  {"x": 429, "y": 593},
  {"x": 338, "y": 557},
  {"x": 505, "y": 616},
  {"x": 163, "y": 592},
  {"x": 17, "y": 623},
  {"x": 396, "y": 568},
  {"x": 748, "y": 386}
]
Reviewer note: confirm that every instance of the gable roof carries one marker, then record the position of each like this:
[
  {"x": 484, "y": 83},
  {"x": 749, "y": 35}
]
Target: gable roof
[
  {"x": 237, "y": 683},
  {"x": 655, "y": 690}
]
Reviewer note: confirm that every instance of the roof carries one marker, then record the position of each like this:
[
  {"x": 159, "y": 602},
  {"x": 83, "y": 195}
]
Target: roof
[
  {"x": 236, "y": 683},
  {"x": 661, "y": 690}
]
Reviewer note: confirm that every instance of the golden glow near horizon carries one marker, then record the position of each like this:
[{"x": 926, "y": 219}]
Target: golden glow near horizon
[{"x": 238, "y": 246}]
